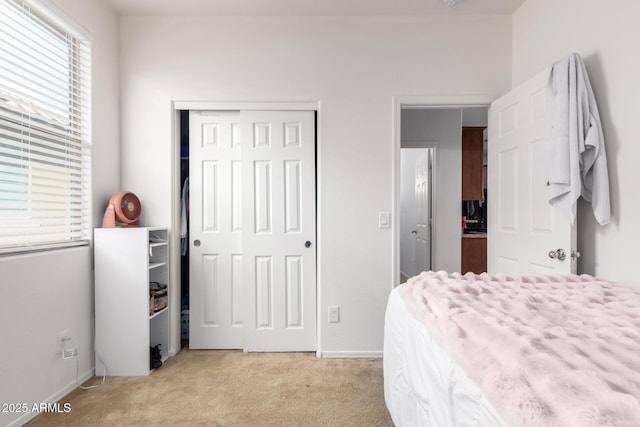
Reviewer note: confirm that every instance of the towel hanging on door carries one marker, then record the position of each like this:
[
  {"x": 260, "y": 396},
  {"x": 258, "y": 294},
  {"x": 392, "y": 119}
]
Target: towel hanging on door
[{"x": 575, "y": 160}]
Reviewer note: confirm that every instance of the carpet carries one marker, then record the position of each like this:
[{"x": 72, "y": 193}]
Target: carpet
[{"x": 232, "y": 388}]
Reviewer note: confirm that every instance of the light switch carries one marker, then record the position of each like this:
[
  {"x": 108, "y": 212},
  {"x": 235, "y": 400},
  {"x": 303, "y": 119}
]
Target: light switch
[
  {"x": 334, "y": 314},
  {"x": 384, "y": 220}
]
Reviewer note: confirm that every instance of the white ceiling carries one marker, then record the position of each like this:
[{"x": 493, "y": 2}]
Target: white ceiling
[{"x": 314, "y": 7}]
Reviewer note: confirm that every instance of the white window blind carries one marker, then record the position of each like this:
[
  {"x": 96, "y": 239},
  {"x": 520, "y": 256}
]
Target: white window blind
[{"x": 44, "y": 130}]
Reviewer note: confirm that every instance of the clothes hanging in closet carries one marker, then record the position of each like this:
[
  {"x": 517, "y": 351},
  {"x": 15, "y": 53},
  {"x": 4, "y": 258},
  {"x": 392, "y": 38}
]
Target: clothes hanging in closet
[{"x": 184, "y": 218}]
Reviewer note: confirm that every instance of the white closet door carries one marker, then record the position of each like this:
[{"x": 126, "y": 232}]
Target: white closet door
[
  {"x": 279, "y": 233},
  {"x": 215, "y": 259},
  {"x": 252, "y": 272}
]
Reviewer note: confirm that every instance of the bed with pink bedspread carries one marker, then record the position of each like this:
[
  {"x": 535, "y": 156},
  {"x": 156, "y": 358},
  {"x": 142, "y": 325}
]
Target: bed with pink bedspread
[{"x": 483, "y": 350}]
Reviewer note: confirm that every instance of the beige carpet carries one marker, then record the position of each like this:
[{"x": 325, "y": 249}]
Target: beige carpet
[{"x": 232, "y": 388}]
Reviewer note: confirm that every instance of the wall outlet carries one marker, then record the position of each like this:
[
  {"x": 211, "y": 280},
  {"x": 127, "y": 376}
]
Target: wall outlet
[
  {"x": 61, "y": 335},
  {"x": 70, "y": 352},
  {"x": 334, "y": 314},
  {"x": 68, "y": 347}
]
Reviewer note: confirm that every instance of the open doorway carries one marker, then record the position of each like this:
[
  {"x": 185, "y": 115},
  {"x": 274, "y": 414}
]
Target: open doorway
[{"x": 429, "y": 123}]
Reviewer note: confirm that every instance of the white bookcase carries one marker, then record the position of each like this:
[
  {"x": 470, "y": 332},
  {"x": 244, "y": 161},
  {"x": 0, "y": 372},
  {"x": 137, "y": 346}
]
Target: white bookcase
[{"x": 127, "y": 260}]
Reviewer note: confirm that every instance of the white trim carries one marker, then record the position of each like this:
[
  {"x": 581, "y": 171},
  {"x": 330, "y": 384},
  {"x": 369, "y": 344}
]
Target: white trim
[
  {"x": 19, "y": 250},
  {"x": 318, "y": 230},
  {"x": 175, "y": 297},
  {"x": 55, "y": 397},
  {"x": 247, "y": 105},
  {"x": 442, "y": 101},
  {"x": 53, "y": 12},
  {"x": 351, "y": 354},
  {"x": 399, "y": 103}
]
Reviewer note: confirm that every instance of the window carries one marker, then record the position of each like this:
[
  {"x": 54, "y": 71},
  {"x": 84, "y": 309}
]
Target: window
[{"x": 44, "y": 130}]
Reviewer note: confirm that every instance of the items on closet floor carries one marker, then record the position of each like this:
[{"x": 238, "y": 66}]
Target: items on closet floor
[{"x": 155, "y": 357}]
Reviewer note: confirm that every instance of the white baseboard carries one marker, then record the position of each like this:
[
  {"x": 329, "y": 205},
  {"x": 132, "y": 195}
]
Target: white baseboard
[
  {"x": 55, "y": 397},
  {"x": 351, "y": 354}
]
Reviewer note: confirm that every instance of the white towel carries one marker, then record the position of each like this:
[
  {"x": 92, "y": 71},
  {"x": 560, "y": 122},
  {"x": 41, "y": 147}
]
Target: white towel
[{"x": 575, "y": 159}]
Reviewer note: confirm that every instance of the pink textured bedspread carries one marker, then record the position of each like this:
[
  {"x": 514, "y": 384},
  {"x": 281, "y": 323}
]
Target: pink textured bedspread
[{"x": 547, "y": 350}]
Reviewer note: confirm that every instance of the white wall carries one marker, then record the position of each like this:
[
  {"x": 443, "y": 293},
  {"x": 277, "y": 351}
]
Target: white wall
[
  {"x": 475, "y": 116},
  {"x": 606, "y": 35},
  {"x": 42, "y": 294},
  {"x": 353, "y": 67},
  {"x": 442, "y": 129}
]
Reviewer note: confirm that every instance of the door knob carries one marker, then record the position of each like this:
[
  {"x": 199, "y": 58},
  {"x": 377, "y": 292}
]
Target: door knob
[
  {"x": 560, "y": 254},
  {"x": 196, "y": 243},
  {"x": 307, "y": 244}
]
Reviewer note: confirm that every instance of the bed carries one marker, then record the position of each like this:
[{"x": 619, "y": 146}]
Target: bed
[{"x": 512, "y": 351}]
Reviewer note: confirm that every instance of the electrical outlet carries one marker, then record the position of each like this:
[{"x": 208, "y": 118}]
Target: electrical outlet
[
  {"x": 68, "y": 353},
  {"x": 69, "y": 348},
  {"x": 61, "y": 336},
  {"x": 334, "y": 314}
]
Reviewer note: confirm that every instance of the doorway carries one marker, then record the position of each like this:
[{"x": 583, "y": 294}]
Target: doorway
[{"x": 411, "y": 129}]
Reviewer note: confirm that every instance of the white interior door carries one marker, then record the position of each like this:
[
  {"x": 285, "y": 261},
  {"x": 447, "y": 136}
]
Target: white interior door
[
  {"x": 423, "y": 203},
  {"x": 525, "y": 235},
  {"x": 215, "y": 228},
  {"x": 279, "y": 237}
]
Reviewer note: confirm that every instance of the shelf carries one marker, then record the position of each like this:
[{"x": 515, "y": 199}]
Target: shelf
[
  {"x": 157, "y": 236},
  {"x": 127, "y": 260},
  {"x": 157, "y": 313}
]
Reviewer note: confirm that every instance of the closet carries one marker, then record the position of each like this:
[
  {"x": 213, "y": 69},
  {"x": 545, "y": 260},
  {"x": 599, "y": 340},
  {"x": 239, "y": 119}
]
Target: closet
[{"x": 251, "y": 252}]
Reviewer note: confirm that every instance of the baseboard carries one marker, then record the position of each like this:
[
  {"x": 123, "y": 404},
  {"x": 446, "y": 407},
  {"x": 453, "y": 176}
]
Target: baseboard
[
  {"x": 351, "y": 354},
  {"x": 55, "y": 397}
]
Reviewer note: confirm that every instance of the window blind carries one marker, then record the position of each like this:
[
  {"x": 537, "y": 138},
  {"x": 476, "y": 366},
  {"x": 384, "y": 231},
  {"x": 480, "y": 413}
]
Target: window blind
[{"x": 44, "y": 130}]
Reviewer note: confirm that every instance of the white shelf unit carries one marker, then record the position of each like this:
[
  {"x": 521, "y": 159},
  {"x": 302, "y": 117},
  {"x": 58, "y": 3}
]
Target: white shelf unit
[{"x": 126, "y": 260}]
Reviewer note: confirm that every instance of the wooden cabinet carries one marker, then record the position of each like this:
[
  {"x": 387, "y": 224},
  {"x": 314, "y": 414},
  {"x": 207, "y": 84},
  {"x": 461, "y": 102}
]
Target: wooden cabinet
[
  {"x": 472, "y": 171},
  {"x": 474, "y": 254},
  {"x": 127, "y": 324}
]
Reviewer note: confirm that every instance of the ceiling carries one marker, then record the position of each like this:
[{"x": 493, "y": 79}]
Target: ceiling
[{"x": 314, "y": 7}]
